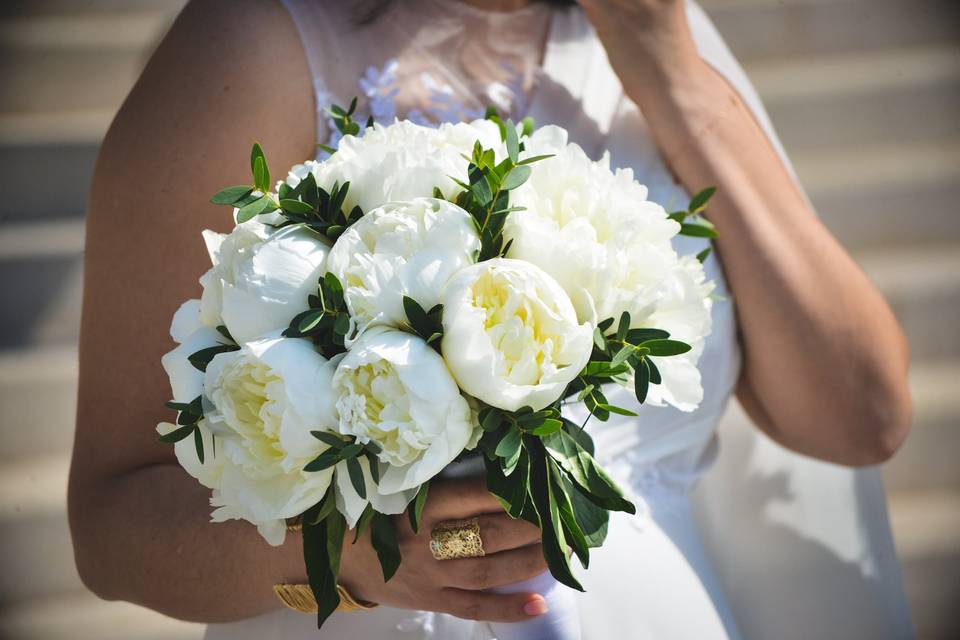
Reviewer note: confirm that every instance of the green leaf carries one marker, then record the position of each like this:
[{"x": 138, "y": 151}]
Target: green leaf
[
  {"x": 509, "y": 464},
  {"x": 586, "y": 473},
  {"x": 666, "y": 347},
  {"x": 552, "y": 541},
  {"x": 641, "y": 381},
  {"x": 341, "y": 326},
  {"x": 490, "y": 419},
  {"x": 198, "y": 443},
  {"x": 571, "y": 528},
  {"x": 638, "y": 336},
  {"x": 654, "y": 372},
  {"x": 699, "y": 202},
  {"x": 415, "y": 508},
  {"x": 324, "y": 461},
  {"x": 599, "y": 340},
  {"x": 697, "y": 231},
  {"x": 333, "y": 284},
  {"x": 509, "y": 445},
  {"x": 416, "y": 316},
  {"x": 231, "y": 194},
  {"x": 593, "y": 520},
  {"x": 703, "y": 255},
  {"x": 322, "y": 568},
  {"x": 258, "y": 164},
  {"x": 533, "y": 159},
  {"x": 200, "y": 359},
  {"x": 351, "y": 451},
  {"x": 295, "y": 206},
  {"x": 622, "y": 355},
  {"x": 579, "y": 435},
  {"x": 612, "y": 408},
  {"x": 511, "y": 141},
  {"x": 510, "y": 491},
  {"x": 177, "y": 434},
  {"x": 263, "y": 204},
  {"x": 309, "y": 320},
  {"x": 547, "y": 427},
  {"x": 383, "y": 536},
  {"x": 356, "y": 477},
  {"x": 480, "y": 187},
  {"x": 363, "y": 523},
  {"x": 330, "y": 439},
  {"x": 529, "y": 125},
  {"x": 517, "y": 176},
  {"x": 624, "y": 326}
]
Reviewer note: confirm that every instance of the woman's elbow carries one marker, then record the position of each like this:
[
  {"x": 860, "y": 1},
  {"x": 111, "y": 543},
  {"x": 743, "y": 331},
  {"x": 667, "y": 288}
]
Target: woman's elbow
[
  {"x": 89, "y": 532},
  {"x": 885, "y": 417}
]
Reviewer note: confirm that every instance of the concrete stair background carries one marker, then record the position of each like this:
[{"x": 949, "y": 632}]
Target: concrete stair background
[{"x": 865, "y": 94}]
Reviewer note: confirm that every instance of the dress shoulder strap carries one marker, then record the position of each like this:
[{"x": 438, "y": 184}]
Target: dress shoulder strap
[{"x": 313, "y": 21}]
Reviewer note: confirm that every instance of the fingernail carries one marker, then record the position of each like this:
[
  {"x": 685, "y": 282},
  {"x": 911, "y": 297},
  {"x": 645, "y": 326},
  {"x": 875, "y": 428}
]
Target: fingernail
[{"x": 535, "y": 607}]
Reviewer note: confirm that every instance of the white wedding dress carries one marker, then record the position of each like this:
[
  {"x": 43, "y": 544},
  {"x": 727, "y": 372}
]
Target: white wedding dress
[{"x": 434, "y": 60}]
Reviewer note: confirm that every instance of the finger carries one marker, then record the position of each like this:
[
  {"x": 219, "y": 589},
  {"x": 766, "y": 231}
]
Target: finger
[
  {"x": 458, "y": 498},
  {"x": 493, "y": 571},
  {"x": 499, "y": 532},
  {"x": 492, "y": 607}
]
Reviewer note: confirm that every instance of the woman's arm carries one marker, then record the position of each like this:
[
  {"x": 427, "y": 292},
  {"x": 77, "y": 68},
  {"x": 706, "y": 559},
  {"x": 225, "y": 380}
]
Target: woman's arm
[
  {"x": 229, "y": 72},
  {"x": 224, "y": 75},
  {"x": 825, "y": 361}
]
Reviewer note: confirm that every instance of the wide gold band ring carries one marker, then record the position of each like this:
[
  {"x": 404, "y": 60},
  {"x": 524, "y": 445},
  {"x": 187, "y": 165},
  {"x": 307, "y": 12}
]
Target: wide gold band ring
[{"x": 456, "y": 539}]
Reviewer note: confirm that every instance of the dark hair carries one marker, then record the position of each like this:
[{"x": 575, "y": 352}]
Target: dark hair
[{"x": 368, "y": 10}]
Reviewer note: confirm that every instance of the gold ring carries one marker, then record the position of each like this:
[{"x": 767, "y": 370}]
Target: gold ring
[{"x": 456, "y": 539}]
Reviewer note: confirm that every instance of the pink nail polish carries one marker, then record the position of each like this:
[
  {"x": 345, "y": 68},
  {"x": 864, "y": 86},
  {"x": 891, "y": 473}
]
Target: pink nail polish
[{"x": 535, "y": 607}]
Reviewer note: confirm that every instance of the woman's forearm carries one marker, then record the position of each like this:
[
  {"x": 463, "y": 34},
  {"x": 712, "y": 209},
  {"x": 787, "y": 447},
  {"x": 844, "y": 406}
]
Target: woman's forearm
[
  {"x": 146, "y": 538},
  {"x": 824, "y": 358}
]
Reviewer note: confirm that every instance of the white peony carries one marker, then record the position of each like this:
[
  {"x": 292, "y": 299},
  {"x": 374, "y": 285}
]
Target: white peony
[
  {"x": 595, "y": 232},
  {"x": 260, "y": 279},
  {"x": 404, "y": 248},
  {"x": 402, "y": 161},
  {"x": 186, "y": 383},
  {"x": 261, "y": 402},
  {"x": 511, "y": 336},
  {"x": 392, "y": 389}
]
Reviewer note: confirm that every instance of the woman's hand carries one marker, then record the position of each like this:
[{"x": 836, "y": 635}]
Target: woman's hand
[
  {"x": 643, "y": 38},
  {"x": 453, "y": 586}
]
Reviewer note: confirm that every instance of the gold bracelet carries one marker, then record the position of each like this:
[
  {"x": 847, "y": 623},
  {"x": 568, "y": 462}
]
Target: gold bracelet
[{"x": 299, "y": 597}]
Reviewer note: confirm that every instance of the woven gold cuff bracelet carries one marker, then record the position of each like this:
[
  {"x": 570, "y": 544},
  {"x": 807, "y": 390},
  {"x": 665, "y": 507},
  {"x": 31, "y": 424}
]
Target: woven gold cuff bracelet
[{"x": 299, "y": 598}]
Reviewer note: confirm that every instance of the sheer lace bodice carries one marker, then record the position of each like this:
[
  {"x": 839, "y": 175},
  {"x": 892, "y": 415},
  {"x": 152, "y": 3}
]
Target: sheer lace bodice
[{"x": 429, "y": 61}]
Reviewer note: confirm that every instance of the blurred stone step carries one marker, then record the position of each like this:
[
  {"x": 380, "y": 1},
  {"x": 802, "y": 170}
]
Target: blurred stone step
[
  {"x": 45, "y": 279},
  {"x": 927, "y": 460},
  {"x": 774, "y": 28},
  {"x": 27, "y": 176},
  {"x": 926, "y": 527},
  {"x": 886, "y": 195},
  {"x": 38, "y": 552},
  {"x": 38, "y": 400},
  {"x": 19, "y": 8},
  {"x": 80, "y": 615},
  {"x": 922, "y": 285},
  {"x": 845, "y": 100}
]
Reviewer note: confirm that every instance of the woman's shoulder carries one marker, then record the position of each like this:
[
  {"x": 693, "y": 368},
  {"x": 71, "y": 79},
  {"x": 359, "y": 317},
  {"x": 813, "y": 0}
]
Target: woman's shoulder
[{"x": 226, "y": 73}]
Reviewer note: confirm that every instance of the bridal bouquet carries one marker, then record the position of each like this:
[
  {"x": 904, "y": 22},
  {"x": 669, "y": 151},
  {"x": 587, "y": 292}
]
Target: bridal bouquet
[{"x": 421, "y": 296}]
